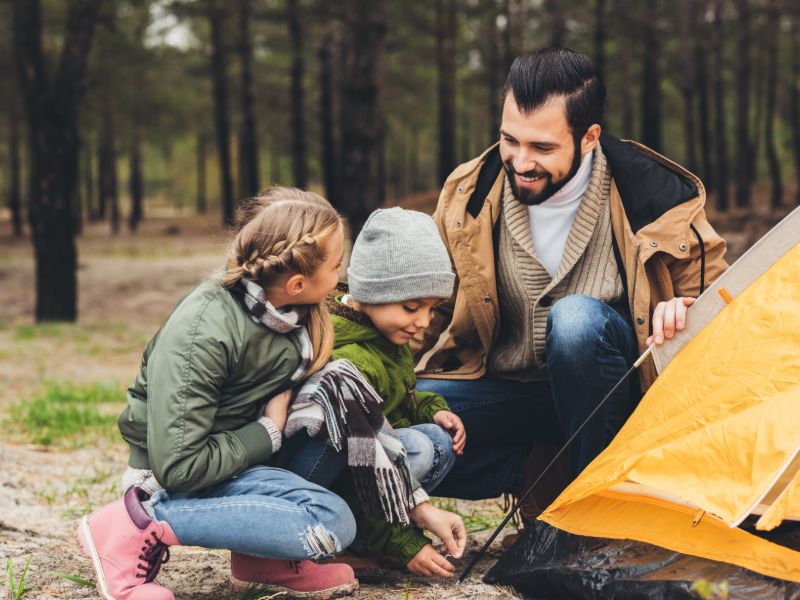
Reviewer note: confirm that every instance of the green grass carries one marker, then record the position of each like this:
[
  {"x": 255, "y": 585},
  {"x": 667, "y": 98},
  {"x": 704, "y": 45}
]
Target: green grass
[
  {"x": 17, "y": 588},
  {"x": 62, "y": 413},
  {"x": 476, "y": 519},
  {"x": 29, "y": 332}
]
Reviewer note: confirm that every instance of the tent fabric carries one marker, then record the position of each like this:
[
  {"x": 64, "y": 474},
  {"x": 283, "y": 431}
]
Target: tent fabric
[{"x": 715, "y": 439}]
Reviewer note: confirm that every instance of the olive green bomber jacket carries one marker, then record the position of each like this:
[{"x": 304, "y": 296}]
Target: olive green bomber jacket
[{"x": 192, "y": 411}]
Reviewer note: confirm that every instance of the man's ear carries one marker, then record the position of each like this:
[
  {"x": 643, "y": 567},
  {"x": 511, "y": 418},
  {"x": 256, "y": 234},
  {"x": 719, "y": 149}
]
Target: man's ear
[
  {"x": 295, "y": 284},
  {"x": 590, "y": 139}
]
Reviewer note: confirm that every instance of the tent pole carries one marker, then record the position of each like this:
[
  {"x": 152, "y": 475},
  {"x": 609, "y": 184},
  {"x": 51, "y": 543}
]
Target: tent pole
[{"x": 563, "y": 448}]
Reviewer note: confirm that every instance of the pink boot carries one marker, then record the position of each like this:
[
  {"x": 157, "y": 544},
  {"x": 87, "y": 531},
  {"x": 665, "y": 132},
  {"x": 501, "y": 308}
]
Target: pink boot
[
  {"x": 127, "y": 548},
  {"x": 293, "y": 579}
]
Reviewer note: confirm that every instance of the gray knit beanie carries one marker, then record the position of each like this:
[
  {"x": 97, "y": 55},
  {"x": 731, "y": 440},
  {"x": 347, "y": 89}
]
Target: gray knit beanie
[{"x": 399, "y": 256}]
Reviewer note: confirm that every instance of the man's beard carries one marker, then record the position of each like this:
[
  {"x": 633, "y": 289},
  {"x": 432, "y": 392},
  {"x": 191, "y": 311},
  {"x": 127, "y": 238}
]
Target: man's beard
[{"x": 531, "y": 198}]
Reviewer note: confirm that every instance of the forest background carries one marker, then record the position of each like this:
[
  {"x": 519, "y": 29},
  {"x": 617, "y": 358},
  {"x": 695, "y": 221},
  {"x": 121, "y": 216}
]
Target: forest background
[{"x": 131, "y": 129}]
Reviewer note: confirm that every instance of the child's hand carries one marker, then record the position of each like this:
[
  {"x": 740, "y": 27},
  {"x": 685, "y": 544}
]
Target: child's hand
[
  {"x": 428, "y": 562},
  {"x": 452, "y": 423},
  {"x": 277, "y": 409},
  {"x": 447, "y": 526}
]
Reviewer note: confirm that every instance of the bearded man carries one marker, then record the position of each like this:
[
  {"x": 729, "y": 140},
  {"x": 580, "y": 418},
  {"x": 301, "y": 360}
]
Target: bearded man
[{"x": 574, "y": 251}]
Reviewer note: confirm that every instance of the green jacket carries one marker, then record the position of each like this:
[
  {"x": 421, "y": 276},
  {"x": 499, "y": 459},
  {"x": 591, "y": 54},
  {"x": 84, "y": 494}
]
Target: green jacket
[
  {"x": 204, "y": 377},
  {"x": 390, "y": 370}
]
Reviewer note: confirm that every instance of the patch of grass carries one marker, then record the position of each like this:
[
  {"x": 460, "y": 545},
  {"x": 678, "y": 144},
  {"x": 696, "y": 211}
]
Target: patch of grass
[
  {"x": 62, "y": 412},
  {"x": 29, "y": 332},
  {"x": 17, "y": 589},
  {"x": 259, "y": 592},
  {"x": 74, "y": 579}
]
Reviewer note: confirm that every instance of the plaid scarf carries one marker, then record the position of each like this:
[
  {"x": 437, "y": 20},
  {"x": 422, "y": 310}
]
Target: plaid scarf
[
  {"x": 279, "y": 320},
  {"x": 338, "y": 402}
]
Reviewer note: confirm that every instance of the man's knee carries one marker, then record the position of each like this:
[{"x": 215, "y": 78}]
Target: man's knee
[{"x": 573, "y": 322}]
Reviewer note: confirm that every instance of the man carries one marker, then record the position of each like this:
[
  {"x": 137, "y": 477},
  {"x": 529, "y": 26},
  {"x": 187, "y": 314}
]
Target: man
[{"x": 573, "y": 251}]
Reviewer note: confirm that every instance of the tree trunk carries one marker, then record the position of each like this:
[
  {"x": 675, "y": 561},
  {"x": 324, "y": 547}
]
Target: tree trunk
[
  {"x": 363, "y": 123},
  {"x": 492, "y": 71},
  {"x": 626, "y": 94},
  {"x": 687, "y": 19},
  {"x": 599, "y": 36},
  {"x": 720, "y": 137},
  {"x": 136, "y": 182},
  {"x": 216, "y": 17},
  {"x": 327, "y": 111},
  {"x": 87, "y": 159},
  {"x": 297, "y": 99},
  {"x": 651, "y": 80},
  {"x": 701, "y": 50},
  {"x": 743, "y": 58},
  {"x": 446, "y": 70},
  {"x": 109, "y": 195},
  {"x": 794, "y": 106},
  {"x": 772, "y": 32},
  {"x": 248, "y": 139},
  {"x": 14, "y": 175},
  {"x": 557, "y": 22},
  {"x": 508, "y": 46},
  {"x": 52, "y": 111},
  {"x": 202, "y": 197},
  {"x": 77, "y": 202}
]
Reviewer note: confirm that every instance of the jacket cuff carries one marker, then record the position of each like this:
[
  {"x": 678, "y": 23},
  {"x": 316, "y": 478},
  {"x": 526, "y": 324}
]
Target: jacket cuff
[
  {"x": 274, "y": 433},
  {"x": 257, "y": 443},
  {"x": 409, "y": 545}
]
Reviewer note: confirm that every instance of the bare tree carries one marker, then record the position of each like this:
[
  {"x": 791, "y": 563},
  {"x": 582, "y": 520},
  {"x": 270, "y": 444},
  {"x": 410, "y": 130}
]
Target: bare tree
[
  {"x": 688, "y": 15},
  {"x": 326, "y": 53},
  {"x": 363, "y": 121},
  {"x": 794, "y": 101},
  {"x": 743, "y": 151},
  {"x": 446, "y": 70},
  {"x": 720, "y": 137},
  {"x": 297, "y": 100},
  {"x": 136, "y": 181},
  {"x": 52, "y": 106},
  {"x": 216, "y": 17},
  {"x": 107, "y": 166},
  {"x": 492, "y": 69},
  {"x": 599, "y": 36},
  {"x": 248, "y": 140},
  {"x": 651, "y": 78},
  {"x": 14, "y": 175},
  {"x": 201, "y": 197},
  {"x": 772, "y": 31},
  {"x": 701, "y": 50}
]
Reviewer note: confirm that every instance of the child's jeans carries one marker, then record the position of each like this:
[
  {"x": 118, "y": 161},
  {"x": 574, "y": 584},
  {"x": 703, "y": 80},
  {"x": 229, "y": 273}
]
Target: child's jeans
[
  {"x": 264, "y": 512},
  {"x": 429, "y": 449}
]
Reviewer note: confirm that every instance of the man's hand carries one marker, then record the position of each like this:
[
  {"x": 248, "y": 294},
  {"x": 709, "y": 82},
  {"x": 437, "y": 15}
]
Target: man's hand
[
  {"x": 669, "y": 317},
  {"x": 445, "y": 525},
  {"x": 452, "y": 423},
  {"x": 277, "y": 409},
  {"x": 428, "y": 562}
]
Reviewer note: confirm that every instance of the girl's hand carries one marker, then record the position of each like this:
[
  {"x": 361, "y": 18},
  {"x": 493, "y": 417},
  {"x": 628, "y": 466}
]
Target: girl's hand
[
  {"x": 447, "y": 526},
  {"x": 428, "y": 562},
  {"x": 452, "y": 423},
  {"x": 277, "y": 409}
]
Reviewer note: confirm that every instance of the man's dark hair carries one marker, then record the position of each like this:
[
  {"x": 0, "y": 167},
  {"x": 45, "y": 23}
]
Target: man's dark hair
[{"x": 536, "y": 77}]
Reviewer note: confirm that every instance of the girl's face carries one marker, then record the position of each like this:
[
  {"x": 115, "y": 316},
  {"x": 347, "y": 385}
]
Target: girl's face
[
  {"x": 400, "y": 321},
  {"x": 324, "y": 279}
]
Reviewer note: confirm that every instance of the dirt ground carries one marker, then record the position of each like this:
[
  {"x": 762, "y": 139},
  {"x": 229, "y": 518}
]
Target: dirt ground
[{"x": 128, "y": 284}]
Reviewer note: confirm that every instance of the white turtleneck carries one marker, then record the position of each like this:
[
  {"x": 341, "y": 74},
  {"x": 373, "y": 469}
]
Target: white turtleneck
[{"x": 551, "y": 221}]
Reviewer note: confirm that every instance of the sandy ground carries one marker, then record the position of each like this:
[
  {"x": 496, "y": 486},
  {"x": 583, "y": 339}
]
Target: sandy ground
[{"x": 127, "y": 287}]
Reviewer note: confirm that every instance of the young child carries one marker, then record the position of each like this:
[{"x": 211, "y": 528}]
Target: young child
[
  {"x": 199, "y": 431},
  {"x": 399, "y": 271}
]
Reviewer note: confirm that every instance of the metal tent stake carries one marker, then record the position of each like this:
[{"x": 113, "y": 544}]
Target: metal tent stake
[{"x": 524, "y": 496}]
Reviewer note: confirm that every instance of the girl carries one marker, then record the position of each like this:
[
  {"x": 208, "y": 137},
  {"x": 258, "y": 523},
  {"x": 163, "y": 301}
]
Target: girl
[{"x": 199, "y": 432}]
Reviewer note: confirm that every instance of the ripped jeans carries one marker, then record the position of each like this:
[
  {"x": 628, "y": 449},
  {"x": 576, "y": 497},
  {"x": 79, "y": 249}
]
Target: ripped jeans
[{"x": 263, "y": 511}]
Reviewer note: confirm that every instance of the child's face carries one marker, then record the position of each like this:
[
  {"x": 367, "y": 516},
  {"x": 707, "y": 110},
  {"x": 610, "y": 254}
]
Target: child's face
[
  {"x": 400, "y": 321},
  {"x": 325, "y": 278}
]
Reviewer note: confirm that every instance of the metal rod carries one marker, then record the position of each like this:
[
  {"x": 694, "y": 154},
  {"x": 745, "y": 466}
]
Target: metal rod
[{"x": 563, "y": 448}]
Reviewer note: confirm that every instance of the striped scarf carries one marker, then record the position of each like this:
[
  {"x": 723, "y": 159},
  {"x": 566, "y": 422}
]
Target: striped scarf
[{"x": 339, "y": 403}]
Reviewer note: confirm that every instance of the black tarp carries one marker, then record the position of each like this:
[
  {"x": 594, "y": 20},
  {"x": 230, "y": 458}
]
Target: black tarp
[{"x": 547, "y": 563}]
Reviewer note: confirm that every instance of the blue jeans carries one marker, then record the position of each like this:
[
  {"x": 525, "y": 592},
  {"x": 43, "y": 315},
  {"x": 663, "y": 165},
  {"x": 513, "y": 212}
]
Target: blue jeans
[
  {"x": 264, "y": 512},
  {"x": 429, "y": 448},
  {"x": 589, "y": 347}
]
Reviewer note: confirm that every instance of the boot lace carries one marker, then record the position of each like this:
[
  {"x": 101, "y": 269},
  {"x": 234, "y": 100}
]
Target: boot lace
[{"x": 154, "y": 554}]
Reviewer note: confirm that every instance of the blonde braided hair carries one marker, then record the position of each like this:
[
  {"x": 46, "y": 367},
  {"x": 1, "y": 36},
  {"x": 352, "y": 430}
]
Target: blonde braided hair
[{"x": 285, "y": 230}]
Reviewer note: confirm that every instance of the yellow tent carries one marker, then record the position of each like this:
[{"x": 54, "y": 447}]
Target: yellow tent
[{"x": 716, "y": 438}]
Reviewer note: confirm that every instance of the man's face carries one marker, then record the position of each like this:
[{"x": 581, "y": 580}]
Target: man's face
[{"x": 538, "y": 150}]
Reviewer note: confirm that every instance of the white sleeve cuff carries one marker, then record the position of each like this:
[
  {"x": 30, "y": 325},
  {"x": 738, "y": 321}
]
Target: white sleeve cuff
[
  {"x": 420, "y": 496},
  {"x": 274, "y": 433}
]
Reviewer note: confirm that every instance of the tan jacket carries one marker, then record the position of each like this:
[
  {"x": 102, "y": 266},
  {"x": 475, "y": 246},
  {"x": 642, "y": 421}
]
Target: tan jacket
[{"x": 658, "y": 220}]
